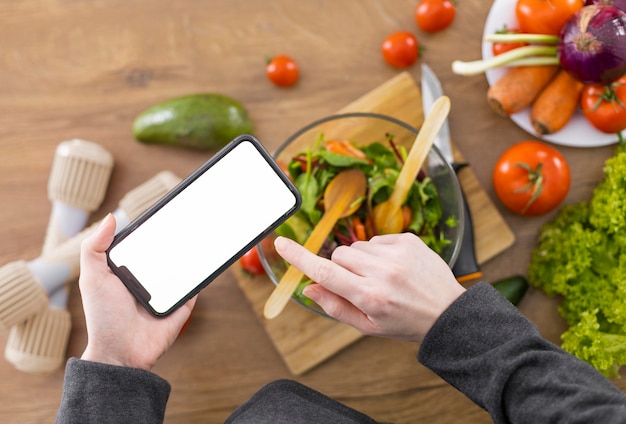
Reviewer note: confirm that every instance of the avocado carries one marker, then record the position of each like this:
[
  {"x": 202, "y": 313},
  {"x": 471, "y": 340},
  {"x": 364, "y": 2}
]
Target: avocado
[
  {"x": 205, "y": 121},
  {"x": 513, "y": 288}
]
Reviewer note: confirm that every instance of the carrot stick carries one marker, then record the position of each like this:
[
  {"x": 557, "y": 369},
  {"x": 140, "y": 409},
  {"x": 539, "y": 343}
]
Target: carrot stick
[
  {"x": 518, "y": 87},
  {"x": 556, "y": 104}
]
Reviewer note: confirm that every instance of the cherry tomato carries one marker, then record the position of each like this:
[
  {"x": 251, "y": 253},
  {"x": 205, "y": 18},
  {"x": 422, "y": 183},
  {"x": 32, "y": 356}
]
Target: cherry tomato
[
  {"x": 400, "y": 49},
  {"x": 604, "y": 106},
  {"x": 282, "y": 70},
  {"x": 545, "y": 16},
  {"x": 435, "y": 15},
  {"x": 531, "y": 178},
  {"x": 499, "y": 48},
  {"x": 251, "y": 262}
]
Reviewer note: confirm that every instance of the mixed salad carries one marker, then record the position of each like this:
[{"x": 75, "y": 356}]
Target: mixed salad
[{"x": 381, "y": 162}]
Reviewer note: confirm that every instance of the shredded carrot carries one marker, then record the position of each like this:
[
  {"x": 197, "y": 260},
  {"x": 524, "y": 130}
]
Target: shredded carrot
[
  {"x": 344, "y": 147},
  {"x": 302, "y": 159},
  {"x": 518, "y": 88},
  {"x": 407, "y": 214},
  {"x": 359, "y": 228},
  {"x": 556, "y": 104}
]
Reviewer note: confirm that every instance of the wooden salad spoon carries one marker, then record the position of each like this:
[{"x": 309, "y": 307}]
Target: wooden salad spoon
[
  {"x": 342, "y": 197},
  {"x": 388, "y": 214}
]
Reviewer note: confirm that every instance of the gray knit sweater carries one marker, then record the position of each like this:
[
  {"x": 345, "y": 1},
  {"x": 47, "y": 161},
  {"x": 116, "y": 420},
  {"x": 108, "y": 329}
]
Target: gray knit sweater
[{"x": 481, "y": 345}]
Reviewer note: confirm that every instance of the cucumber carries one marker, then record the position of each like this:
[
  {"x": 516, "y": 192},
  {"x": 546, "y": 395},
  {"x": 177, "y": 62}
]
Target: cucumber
[
  {"x": 513, "y": 288},
  {"x": 205, "y": 121}
]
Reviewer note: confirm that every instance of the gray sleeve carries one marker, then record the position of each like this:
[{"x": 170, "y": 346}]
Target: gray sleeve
[
  {"x": 487, "y": 349},
  {"x": 101, "y": 393}
]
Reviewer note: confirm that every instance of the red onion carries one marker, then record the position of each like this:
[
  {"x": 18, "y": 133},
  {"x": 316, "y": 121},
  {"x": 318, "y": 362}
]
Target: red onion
[
  {"x": 592, "y": 44},
  {"x": 620, "y": 4}
]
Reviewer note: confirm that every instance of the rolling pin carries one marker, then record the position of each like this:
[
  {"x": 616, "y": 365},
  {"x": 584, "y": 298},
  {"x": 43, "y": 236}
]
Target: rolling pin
[
  {"x": 78, "y": 181},
  {"x": 25, "y": 286}
]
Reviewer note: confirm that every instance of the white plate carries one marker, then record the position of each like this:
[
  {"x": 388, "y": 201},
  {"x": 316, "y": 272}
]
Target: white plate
[{"x": 578, "y": 132}]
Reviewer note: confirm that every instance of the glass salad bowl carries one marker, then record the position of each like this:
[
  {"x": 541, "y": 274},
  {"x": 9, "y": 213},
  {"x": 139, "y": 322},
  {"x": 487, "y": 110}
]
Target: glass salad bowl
[{"x": 376, "y": 144}]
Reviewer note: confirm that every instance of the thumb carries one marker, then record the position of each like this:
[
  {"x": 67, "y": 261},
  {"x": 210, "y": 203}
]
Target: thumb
[
  {"x": 101, "y": 238},
  {"x": 92, "y": 256}
]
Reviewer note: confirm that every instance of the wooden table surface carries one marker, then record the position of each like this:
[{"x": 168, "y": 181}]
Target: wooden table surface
[{"x": 82, "y": 69}]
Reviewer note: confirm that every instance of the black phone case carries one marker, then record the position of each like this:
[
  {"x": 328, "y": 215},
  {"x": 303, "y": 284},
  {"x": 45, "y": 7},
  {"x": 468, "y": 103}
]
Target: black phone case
[{"x": 140, "y": 293}]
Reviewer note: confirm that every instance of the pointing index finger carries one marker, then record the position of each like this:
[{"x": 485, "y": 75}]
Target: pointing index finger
[{"x": 323, "y": 271}]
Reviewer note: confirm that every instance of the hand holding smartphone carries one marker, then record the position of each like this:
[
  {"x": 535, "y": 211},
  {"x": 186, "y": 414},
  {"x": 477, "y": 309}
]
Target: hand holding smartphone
[{"x": 202, "y": 226}]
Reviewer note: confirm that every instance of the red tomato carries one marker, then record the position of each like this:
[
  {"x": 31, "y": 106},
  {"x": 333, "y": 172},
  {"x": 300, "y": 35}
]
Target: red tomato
[
  {"x": 251, "y": 262},
  {"x": 531, "y": 178},
  {"x": 545, "y": 16},
  {"x": 435, "y": 15},
  {"x": 282, "y": 70},
  {"x": 499, "y": 48},
  {"x": 604, "y": 106},
  {"x": 400, "y": 49}
]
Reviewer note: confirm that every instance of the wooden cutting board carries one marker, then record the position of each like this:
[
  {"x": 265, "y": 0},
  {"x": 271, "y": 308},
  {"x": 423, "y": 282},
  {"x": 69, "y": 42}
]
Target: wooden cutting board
[{"x": 304, "y": 339}]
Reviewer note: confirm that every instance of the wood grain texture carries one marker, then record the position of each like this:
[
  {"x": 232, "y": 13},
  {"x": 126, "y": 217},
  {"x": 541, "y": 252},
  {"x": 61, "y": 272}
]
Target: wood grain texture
[{"x": 73, "y": 68}]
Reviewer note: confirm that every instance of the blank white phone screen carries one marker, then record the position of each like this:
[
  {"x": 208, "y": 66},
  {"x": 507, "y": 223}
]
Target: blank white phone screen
[{"x": 204, "y": 226}]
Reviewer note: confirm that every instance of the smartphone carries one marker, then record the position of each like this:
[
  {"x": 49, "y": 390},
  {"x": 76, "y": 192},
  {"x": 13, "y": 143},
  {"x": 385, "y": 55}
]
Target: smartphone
[{"x": 202, "y": 226}]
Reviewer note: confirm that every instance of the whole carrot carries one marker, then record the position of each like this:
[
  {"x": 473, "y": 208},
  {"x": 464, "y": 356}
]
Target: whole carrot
[
  {"x": 518, "y": 87},
  {"x": 556, "y": 104}
]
